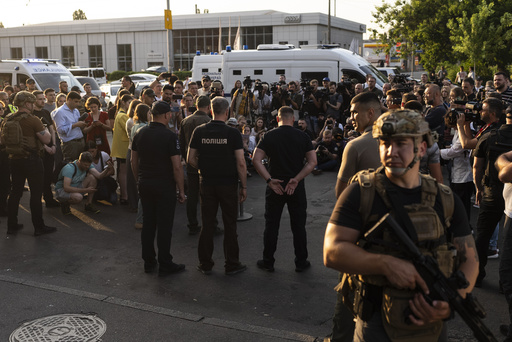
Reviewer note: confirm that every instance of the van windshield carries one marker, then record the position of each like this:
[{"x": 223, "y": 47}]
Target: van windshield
[
  {"x": 51, "y": 80},
  {"x": 370, "y": 69}
]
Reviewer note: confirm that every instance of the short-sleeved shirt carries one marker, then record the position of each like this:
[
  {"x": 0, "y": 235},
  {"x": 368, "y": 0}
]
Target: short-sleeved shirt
[
  {"x": 286, "y": 148},
  {"x": 432, "y": 156},
  {"x": 73, "y": 172},
  {"x": 346, "y": 212},
  {"x": 435, "y": 118},
  {"x": 359, "y": 154},
  {"x": 155, "y": 145},
  {"x": 216, "y": 144},
  {"x": 495, "y": 188},
  {"x": 102, "y": 162}
]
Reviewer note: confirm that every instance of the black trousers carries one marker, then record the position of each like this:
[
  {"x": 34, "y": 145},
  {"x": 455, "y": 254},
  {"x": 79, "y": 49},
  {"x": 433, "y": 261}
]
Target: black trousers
[
  {"x": 192, "y": 198},
  {"x": 274, "y": 205},
  {"x": 158, "y": 205},
  {"x": 211, "y": 197},
  {"x": 464, "y": 191},
  {"x": 30, "y": 169},
  {"x": 5, "y": 179},
  {"x": 489, "y": 216},
  {"x": 48, "y": 164}
]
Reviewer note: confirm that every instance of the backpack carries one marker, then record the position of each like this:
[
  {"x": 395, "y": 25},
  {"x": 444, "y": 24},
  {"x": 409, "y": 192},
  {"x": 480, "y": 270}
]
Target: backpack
[{"x": 16, "y": 144}]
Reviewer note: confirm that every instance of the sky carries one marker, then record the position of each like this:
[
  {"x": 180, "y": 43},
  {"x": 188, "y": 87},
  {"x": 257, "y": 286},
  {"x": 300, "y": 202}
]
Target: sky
[{"x": 25, "y": 12}]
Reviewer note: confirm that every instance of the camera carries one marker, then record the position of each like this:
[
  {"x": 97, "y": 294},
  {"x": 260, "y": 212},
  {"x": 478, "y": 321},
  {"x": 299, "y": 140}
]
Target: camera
[
  {"x": 247, "y": 81},
  {"x": 471, "y": 112},
  {"x": 258, "y": 86}
]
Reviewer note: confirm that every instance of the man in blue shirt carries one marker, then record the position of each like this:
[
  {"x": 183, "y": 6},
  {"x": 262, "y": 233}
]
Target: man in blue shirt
[
  {"x": 78, "y": 178},
  {"x": 69, "y": 127}
]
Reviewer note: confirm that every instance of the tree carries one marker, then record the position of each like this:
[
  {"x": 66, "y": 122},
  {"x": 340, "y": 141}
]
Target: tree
[
  {"x": 79, "y": 15},
  {"x": 448, "y": 30},
  {"x": 2, "y": 25},
  {"x": 483, "y": 36}
]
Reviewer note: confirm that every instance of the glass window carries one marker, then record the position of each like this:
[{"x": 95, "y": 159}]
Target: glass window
[
  {"x": 303, "y": 42},
  {"x": 5, "y": 79},
  {"x": 51, "y": 80},
  {"x": 124, "y": 56},
  {"x": 68, "y": 56},
  {"x": 42, "y": 52},
  {"x": 95, "y": 56},
  {"x": 16, "y": 53}
]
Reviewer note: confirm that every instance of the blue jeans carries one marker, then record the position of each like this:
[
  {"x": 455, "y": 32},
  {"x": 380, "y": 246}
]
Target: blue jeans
[{"x": 493, "y": 244}]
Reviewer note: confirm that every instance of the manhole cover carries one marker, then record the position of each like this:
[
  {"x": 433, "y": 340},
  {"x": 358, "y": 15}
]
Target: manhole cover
[{"x": 61, "y": 328}]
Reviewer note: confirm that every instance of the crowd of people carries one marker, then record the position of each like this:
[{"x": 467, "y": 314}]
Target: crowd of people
[{"x": 183, "y": 141}]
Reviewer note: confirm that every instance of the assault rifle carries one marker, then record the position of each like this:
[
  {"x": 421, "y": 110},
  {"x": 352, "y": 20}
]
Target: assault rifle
[{"x": 440, "y": 287}]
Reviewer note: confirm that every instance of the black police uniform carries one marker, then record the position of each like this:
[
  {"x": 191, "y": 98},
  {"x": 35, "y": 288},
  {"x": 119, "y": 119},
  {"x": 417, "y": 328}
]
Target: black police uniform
[{"x": 216, "y": 144}]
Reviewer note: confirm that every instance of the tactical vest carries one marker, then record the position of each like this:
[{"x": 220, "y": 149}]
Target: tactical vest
[
  {"x": 16, "y": 144},
  {"x": 431, "y": 234}
]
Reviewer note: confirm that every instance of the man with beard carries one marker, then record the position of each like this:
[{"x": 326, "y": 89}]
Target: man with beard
[{"x": 434, "y": 114}]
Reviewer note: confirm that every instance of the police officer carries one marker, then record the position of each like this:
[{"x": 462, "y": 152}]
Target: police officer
[
  {"x": 403, "y": 139},
  {"x": 217, "y": 151},
  {"x": 26, "y": 163},
  {"x": 156, "y": 164}
]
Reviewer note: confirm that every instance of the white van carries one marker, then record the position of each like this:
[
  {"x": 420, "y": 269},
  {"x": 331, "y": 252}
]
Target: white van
[
  {"x": 47, "y": 73},
  {"x": 207, "y": 65},
  {"x": 99, "y": 74},
  {"x": 270, "y": 61}
]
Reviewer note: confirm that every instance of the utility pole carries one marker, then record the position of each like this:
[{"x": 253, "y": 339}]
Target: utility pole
[
  {"x": 170, "y": 47},
  {"x": 329, "y": 24}
]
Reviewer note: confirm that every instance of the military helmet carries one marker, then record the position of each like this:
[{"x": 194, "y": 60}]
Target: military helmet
[
  {"x": 23, "y": 97},
  {"x": 402, "y": 123}
]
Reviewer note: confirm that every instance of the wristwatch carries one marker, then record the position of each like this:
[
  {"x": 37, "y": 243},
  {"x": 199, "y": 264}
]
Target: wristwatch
[{"x": 269, "y": 180}]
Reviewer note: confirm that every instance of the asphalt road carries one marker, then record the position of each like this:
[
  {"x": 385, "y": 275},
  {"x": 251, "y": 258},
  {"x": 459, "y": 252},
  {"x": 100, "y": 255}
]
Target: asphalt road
[{"x": 93, "y": 264}]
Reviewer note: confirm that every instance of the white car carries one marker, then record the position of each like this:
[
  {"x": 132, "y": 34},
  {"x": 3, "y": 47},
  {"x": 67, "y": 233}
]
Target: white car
[{"x": 139, "y": 77}]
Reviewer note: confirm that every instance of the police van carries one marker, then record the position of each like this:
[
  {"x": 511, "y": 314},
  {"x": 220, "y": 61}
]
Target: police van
[
  {"x": 269, "y": 61},
  {"x": 99, "y": 74},
  {"x": 207, "y": 65},
  {"x": 47, "y": 73}
]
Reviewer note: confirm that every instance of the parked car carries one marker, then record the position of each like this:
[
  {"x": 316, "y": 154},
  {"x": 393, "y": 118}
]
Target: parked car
[
  {"x": 110, "y": 90},
  {"x": 160, "y": 68},
  {"x": 139, "y": 77},
  {"x": 95, "y": 89}
]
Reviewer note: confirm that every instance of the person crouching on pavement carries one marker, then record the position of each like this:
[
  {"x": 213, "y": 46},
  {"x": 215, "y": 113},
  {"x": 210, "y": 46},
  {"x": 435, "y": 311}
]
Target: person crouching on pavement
[{"x": 76, "y": 179}]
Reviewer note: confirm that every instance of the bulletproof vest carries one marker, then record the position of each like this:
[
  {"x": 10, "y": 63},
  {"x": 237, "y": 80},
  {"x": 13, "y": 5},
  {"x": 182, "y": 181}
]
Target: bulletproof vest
[
  {"x": 430, "y": 229},
  {"x": 16, "y": 144}
]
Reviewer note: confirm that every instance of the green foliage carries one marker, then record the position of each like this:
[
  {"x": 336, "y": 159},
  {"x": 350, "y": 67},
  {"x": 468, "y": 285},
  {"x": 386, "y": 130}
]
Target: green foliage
[
  {"x": 476, "y": 32},
  {"x": 2, "y": 25},
  {"x": 79, "y": 15}
]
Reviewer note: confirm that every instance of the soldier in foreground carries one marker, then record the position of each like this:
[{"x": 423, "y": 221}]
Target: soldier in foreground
[{"x": 388, "y": 289}]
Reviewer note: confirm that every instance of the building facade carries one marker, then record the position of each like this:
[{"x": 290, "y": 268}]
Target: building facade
[{"x": 137, "y": 43}]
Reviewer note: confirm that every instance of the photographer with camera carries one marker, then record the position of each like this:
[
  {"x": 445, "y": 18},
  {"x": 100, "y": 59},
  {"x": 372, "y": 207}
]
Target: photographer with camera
[
  {"x": 333, "y": 105},
  {"x": 244, "y": 101},
  {"x": 263, "y": 100},
  {"x": 312, "y": 104},
  {"x": 217, "y": 89},
  {"x": 487, "y": 114},
  {"x": 328, "y": 153}
]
